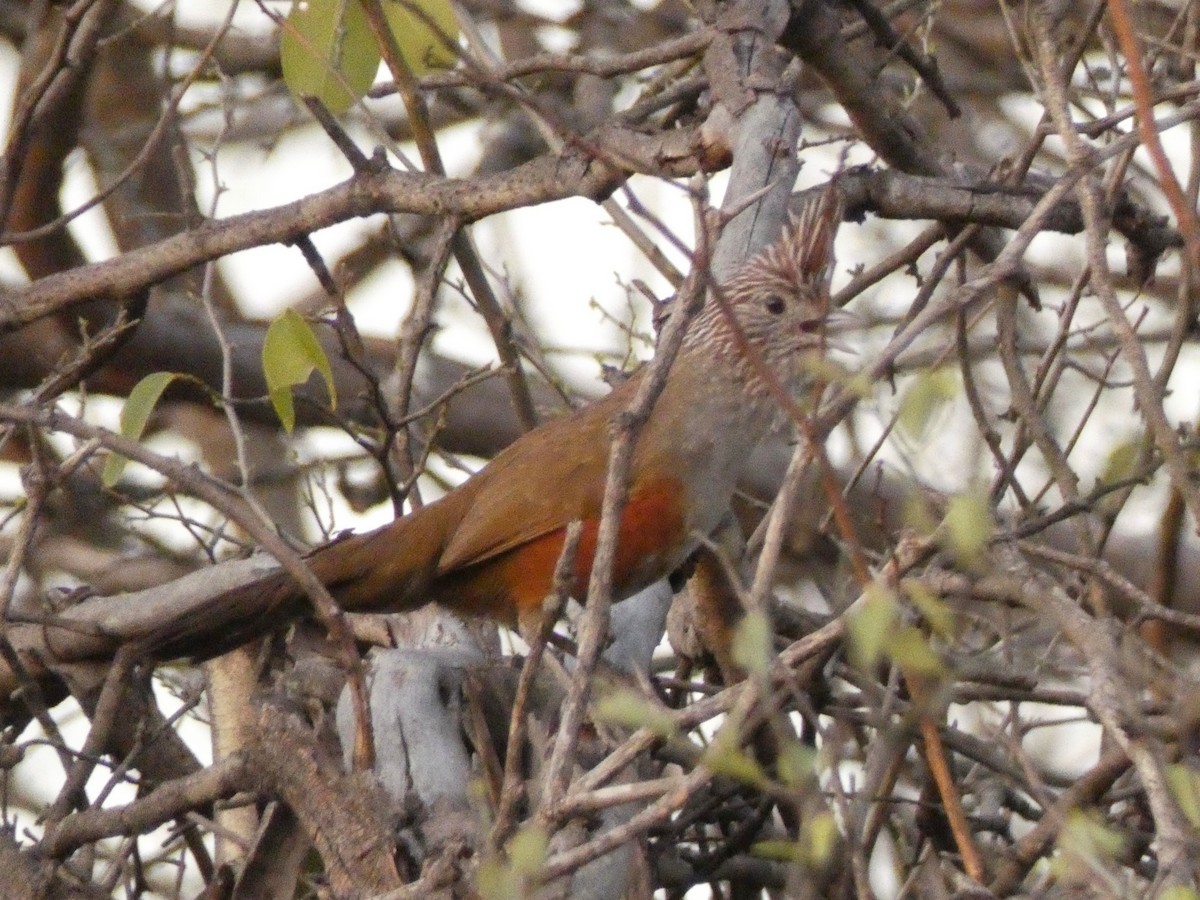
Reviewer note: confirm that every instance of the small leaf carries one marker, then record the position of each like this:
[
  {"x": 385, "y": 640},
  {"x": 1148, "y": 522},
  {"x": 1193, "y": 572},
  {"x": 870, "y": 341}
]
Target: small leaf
[
  {"x": 327, "y": 51},
  {"x": 928, "y": 395},
  {"x": 870, "y": 626},
  {"x": 752, "y": 643},
  {"x": 134, "y": 415},
  {"x": 1184, "y": 783},
  {"x": 912, "y": 653},
  {"x": 423, "y": 47},
  {"x": 632, "y": 710},
  {"x": 281, "y": 399},
  {"x": 818, "y": 838},
  {"x": 1121, "y": 461},
  {"x": 937, "y": 612},
  {"x": 969, "y": 528},
  {"x": 860, "y": 384},
  {"x": 290, "y": 354},
  {"x": 496, "y": 881},
  {"x": 921, "y": 514},
  {"x": 725, "y": 757},
  {"x": 1120, "y": 465},
  {"x": 823, "y": 370},
  {"x": 817, "y": 843},
  {"x": 1086, "y": 838},
  {"x": 779, "y": 850},
  {"x": 527, "y": 850},
  {"x": 796, "y": 763},
  {"x": 508, "y": 875}
]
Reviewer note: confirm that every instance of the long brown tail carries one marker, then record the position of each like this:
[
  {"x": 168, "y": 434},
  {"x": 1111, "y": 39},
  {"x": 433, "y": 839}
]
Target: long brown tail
[{"x": 390, "y": 569}]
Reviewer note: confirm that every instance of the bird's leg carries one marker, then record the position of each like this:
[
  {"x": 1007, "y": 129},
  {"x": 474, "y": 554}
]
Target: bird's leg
[{"x": 714, "y": 595}]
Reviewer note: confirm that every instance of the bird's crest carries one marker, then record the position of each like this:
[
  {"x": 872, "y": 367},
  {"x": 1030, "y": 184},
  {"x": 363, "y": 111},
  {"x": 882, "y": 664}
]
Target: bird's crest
[{"x": 803, "y": 256}]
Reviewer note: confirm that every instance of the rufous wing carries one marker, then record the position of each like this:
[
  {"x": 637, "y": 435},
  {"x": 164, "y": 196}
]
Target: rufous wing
[{"x": 552, "y": 476}]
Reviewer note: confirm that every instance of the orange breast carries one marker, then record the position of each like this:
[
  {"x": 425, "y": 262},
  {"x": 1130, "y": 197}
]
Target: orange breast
[{"x": 651, "y": 535}]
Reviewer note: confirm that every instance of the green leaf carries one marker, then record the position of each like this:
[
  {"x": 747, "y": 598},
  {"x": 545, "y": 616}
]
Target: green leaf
[
  {"x": 1120, "y": 465},
  {"x": 912, "y": 653},
  {"x": 1121, "y": 461},
  {"x": 1184, "y": 783},
  {"x": 752, "y": 643},
  {"x": 797, "y": 762},
  {"x": 725, "y": 757},
  {"x": 779, "y": 850},
  {"x": 819, "y": 838},
  {"x": 937, "y": 612},
  {"x": 1086, "y": 838},
  {"x": 871, "y": 625},
  {"x": 327, "y": 51},
  {"x": 827, "y": 371},
  {"x": 496, "y": 881},
  {"x": 503, "y": 877},
  {"x": 929, "y": 393},
  {"x": 423, "y": 47},
  {"x": 631, "y": 710},
  {"x": 134, "y": 415},
  {"x": 290, "y": 354},
  {"x": 969, "y": 528},
  {"x": 920, "y": 513},
  {"x": 527, "y": 850},
  {"x": 818, "y": 841},
  {"x": 860, "y": 384}
]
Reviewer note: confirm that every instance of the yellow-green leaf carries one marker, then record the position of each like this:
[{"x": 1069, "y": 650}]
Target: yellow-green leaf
[
  {"x": 752, "y": 643},
  {"x": 1085, "y": 837},
  {"x": 871, "y": 625},
  {"x": 827, "y": 371},
  {"x": 968, "y": 529},
  {"x": 134, "y": 415},
  {"x": 290, "y": 354},
  {"x": 921, "y": 513},
  {"x": 909, "y": 649},
  {"x": 1121, "y": 461},
  {"x": 937, "y": 612},
  {"x": 496, "y": 880},
  {"x": 426, "y": 32},
  {"x": 929, "y": 393},
  {"x": 527, "y": 850},
  {"x": 858, "y": 383},
  {"x": 1120, "y": 464},
  {"x": 327, "y": 51},
  {"x": 818, "y": 838},
  {"x": 796, "y": 763},
  {"x": 505, "y": 876},
  {"x": 1184, "y": 783},
  {"x": 632, "y": 710},
  {"x": 725, "y": 757},
  {"x": 780, "y": 850}
]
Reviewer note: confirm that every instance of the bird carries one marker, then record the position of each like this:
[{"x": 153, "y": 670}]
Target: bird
[{"x": 489, "y": 547}]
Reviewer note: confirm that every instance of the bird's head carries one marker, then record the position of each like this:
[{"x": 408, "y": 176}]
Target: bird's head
[{"x": 778, "y": 300}]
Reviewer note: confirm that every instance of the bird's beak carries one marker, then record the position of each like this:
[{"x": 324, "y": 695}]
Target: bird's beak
[{"x": 840, "y": 322}]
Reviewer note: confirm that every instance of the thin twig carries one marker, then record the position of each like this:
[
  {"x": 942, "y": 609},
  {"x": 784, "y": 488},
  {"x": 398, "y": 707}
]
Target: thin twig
[
  {"x": 616, "y": 491},
  {"x": 513, "y": 784}
]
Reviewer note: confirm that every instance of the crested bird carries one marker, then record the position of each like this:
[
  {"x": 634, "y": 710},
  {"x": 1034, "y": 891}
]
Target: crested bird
[{"x": 489, "y": 547}]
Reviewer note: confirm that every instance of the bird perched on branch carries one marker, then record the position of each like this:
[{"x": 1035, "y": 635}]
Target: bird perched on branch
[{"x": 490, "y": 546}]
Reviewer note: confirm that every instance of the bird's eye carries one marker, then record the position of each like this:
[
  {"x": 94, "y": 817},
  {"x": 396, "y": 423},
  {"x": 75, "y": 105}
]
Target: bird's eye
[{"x": 774, "y": 304}]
